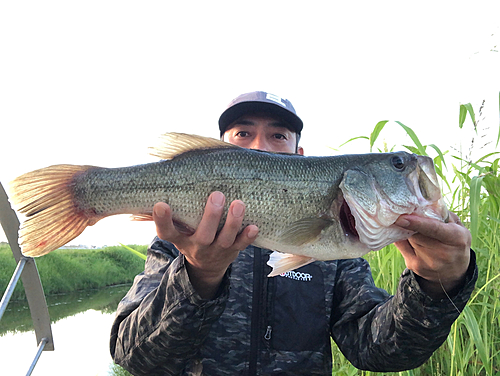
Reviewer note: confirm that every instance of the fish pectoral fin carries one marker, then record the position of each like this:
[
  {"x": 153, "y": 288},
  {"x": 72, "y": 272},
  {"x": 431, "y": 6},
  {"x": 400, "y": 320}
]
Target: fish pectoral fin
[
  {"x": 304, "y": 230},
  {"x": 142, "y": 217},
  {"x": 183, "y": 228},
  {"x": 284, "y": 262},
  {"x": 173, "y": 144}
]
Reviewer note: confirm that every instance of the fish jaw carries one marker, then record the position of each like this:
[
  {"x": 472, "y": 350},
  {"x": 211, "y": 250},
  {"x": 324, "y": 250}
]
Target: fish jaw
[
  {"x": 375, "y": 223},
  {"x": 425, "y": 183},
  {"x": 375, "y": 211}
]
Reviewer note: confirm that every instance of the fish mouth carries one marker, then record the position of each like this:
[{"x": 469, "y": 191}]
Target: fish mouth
[
  {"x": 373, "y": 229},
  {"x": 370, "y": 208},
  {"x": 425, "y": 185},
  {"x": 347, "y": 221}
]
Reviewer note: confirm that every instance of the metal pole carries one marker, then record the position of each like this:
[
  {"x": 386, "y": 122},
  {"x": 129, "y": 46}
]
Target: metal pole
[
  {"x": 12, "y": 285},
  {"x": 42, "y": 344},
  {"x": 30, "y": 277}
]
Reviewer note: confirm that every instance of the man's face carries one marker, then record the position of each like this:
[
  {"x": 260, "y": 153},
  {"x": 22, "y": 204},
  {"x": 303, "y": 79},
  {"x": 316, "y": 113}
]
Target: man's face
[{"x": 262, "y": 132}]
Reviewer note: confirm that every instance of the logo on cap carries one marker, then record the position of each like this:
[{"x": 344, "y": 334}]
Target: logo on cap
[{"x": 275, "y": 98}]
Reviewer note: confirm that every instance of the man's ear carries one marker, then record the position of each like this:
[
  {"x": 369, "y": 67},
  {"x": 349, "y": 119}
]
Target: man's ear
[{"x": 300, "y": 150}]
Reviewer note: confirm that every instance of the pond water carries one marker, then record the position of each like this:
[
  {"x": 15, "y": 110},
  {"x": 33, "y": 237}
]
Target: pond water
[{"x": 81, "y": 323}]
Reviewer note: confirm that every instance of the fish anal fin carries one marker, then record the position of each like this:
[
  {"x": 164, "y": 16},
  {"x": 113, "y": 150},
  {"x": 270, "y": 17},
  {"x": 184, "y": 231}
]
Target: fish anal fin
[
  {"x": 173, "y": 144},
  {"x": 183, "y": 228},
  {"x": 179, "y": 226},
  {"x": 142, "y": 217},
  {"x": 93, "y": 220},
  {"x": 304, "y": 230},
  {"x": 284, "y": 262}
]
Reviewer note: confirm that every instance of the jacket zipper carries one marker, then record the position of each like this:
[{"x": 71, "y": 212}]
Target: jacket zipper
[
  {"x": 269, "y": 313},
  {"x": 256, "y": 311},
  {"x": 269, "y": 330}
]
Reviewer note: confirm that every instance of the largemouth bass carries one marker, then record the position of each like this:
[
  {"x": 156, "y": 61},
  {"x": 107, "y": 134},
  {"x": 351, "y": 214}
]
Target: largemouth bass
[{"x": 306, "y": 208}]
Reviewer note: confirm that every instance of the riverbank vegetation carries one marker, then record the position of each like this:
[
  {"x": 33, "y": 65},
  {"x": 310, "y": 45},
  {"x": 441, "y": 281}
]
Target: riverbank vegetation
[
  {"x": 472, "y": 190},
  {"x": 68, "y": 270}
]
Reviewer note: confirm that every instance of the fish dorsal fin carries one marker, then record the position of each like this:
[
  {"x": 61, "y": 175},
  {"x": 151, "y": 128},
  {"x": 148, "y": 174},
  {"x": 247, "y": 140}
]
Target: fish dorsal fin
[{"x": 173, "y": 144}]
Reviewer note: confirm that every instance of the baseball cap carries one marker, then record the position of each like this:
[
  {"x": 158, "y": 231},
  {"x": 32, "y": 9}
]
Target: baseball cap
[{"x": 260, "y": 101}]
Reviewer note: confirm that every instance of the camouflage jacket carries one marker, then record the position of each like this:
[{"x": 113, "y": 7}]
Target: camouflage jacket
[{"x": 276, "y": 326}]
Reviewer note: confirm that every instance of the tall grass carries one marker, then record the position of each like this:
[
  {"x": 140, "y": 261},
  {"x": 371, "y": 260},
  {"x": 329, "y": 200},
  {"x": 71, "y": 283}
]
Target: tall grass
[{"x": 472, "y": 189}]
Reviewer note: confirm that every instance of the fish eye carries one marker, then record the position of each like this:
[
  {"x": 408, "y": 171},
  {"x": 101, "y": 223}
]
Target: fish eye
[{"x": 398, "y": 163}]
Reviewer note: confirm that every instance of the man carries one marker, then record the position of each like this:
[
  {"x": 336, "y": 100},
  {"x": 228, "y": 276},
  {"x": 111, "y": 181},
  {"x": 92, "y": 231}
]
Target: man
[{"x": 195, "y": 311}]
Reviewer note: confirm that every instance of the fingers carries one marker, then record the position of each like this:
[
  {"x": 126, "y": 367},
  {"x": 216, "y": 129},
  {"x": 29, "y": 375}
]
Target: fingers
[
  {"x": 206, "y": 232},
  {"x": 207, "y": 229},
  {"x": 232, "y": 226},
  {"x": 405, "y": 248},
  {"x": 247, "y": 237},
  {"x": 229, "y": 237},
  {"x": 432, "y": 232},
  {"x": 437, "y": 252},
  {"x": 453, "y": 218},
  {"x": 162, "y": 216},
  {"x": 207, "y": 252},
  {"x": 417, "y": 257}
]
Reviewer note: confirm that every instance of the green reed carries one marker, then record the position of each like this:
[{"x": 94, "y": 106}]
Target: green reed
[{"x": 472, "y": 190}]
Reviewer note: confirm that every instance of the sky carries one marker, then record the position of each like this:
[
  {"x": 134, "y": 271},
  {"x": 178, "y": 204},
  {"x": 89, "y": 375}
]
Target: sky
[{"x": 97, "y": 82}]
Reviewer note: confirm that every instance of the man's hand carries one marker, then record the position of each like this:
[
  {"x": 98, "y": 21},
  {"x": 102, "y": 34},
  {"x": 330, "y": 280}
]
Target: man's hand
[
  {"x": 439, "y": 253},
  {"x": 208, "y": 255}
]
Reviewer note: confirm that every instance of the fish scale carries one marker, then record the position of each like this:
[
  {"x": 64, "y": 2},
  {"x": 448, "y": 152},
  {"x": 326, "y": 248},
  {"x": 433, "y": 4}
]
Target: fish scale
[{"x": 295, "y": 201}]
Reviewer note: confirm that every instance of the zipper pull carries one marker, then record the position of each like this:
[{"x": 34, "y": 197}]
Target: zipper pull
[{"x": 267, "y": 336}]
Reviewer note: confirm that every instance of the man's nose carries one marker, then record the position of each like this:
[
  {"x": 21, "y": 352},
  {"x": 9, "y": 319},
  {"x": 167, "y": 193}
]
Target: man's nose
[{"x": 260, "y": 143}]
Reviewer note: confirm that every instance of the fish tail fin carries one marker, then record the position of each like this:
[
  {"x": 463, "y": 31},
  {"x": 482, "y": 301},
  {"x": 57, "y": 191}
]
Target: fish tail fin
[
  {"x": 284, "y": 262},
  {"x": 45, "y": 196}
]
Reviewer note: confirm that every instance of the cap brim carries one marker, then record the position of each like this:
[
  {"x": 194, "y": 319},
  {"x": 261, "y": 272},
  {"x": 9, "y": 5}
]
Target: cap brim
[{"x": 244, "y": 108}]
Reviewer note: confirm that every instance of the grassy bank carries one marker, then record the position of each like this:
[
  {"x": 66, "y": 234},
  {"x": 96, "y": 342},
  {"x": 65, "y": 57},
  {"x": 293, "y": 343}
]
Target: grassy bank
[{"x": 68, "y": 270}]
